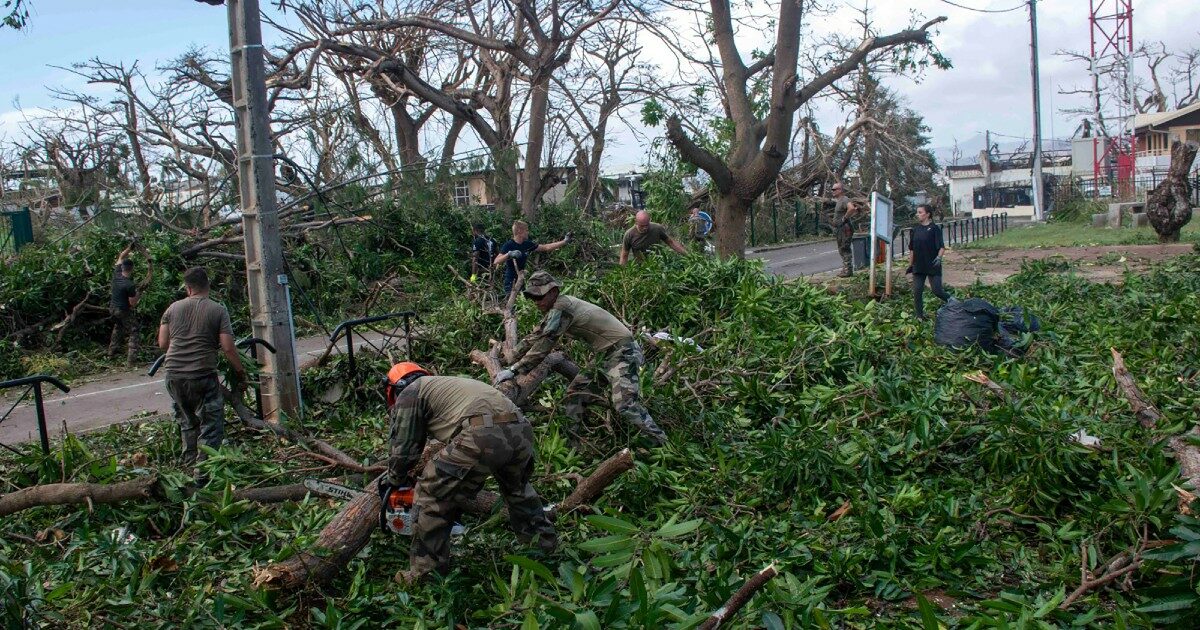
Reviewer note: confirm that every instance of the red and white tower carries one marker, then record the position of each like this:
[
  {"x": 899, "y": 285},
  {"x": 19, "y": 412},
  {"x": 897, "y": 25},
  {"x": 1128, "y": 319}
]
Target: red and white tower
[{"x": 1113, "y": 99}]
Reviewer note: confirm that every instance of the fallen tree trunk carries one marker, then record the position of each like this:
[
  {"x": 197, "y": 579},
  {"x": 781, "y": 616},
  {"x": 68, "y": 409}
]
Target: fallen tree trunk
[
  {"x": 336, "y": 545},
  {"x": 74, "y": 493},
  {"x": 740, "y": 598}
]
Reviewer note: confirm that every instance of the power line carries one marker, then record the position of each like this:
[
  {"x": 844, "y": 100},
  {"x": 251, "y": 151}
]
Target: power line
[{"x": 1016, "y": 8}]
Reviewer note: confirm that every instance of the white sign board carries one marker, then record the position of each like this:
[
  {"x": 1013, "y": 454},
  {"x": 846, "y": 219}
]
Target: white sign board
[{"x": 881, "y": 217}]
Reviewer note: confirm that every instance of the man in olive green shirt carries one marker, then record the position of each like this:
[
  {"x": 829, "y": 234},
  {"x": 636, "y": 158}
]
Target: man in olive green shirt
[
  {"x": 190, "y": 332},
  {"x": 609, "y": 338},
  {"x": 644, "y": 235}
]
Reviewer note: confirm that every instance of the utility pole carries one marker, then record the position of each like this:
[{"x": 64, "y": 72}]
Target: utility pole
[
  {"x": 1038, "y": 191},
  {"x": 270, "y": 312}
]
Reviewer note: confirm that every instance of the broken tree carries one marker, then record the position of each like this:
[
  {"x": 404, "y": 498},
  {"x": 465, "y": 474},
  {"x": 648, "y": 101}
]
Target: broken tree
[{"x": 1168, "y": 206}]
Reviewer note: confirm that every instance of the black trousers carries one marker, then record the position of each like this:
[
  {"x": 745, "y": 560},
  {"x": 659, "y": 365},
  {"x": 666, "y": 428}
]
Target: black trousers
[{"x": 935, "y": 283}]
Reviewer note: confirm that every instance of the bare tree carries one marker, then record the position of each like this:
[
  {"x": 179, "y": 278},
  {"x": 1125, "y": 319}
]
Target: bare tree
[
  {"x": 592, "y": 91},
  {"x": 762, "y": 131},
  {"x": 519, "y": 38}
]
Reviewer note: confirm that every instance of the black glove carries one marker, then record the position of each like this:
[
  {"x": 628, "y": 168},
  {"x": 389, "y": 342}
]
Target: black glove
[{"x": 908, "y": 272}]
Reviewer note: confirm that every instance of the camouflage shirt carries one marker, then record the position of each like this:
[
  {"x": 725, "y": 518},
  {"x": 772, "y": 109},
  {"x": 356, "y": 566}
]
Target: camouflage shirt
[
  {"x": 435, "y": 406},
  {"x": 575, "y": 318}
]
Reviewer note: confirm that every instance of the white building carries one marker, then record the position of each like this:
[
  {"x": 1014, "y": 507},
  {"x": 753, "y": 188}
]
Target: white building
[{"x": 1002, "y": 183}]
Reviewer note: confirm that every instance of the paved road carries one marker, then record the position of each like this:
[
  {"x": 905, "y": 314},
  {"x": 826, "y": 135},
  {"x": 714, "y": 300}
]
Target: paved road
[
  {"x": 804, "y": 259},
  {"x": 118, "y": 397}
]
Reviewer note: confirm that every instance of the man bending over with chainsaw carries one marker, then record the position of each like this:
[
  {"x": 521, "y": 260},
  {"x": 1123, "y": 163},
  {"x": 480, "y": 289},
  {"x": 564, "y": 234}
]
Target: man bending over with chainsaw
[
  {"x": 485, "y": 434},
  {"x": 609, "y": 338}
]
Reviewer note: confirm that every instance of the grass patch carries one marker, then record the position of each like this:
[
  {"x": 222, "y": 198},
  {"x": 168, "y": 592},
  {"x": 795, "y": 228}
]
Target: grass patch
[{"x": 1076, "y": 235}]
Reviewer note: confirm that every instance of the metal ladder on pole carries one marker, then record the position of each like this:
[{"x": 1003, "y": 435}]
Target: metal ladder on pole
[{"x": 270, "y": 311}]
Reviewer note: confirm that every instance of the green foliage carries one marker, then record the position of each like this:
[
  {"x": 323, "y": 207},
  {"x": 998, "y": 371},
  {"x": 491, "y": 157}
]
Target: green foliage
[
  {"x": 1077, "y": 211},
  {"x": 800, "y": 402}
]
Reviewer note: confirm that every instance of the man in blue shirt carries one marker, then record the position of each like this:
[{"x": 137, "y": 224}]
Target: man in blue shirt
[{"x": 515, "y": 252}]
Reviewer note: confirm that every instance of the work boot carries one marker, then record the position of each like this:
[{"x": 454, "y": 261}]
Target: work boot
[{"x": 846, "y": 273}]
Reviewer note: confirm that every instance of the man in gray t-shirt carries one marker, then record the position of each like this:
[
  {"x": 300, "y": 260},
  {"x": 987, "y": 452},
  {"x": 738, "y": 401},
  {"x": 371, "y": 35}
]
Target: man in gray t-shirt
[{"x": 191, "y": 331}]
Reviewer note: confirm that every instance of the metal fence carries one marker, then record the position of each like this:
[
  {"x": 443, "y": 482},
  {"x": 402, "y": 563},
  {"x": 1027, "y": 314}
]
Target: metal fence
[
  {"x": 781, "y": 222},
  {"x": 1114, "y": 189},
  {"x": 954, "y": 232}
]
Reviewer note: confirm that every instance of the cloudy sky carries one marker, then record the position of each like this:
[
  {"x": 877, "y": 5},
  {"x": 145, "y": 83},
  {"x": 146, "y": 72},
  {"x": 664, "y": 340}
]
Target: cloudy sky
[{"x": 988, "y": 88}]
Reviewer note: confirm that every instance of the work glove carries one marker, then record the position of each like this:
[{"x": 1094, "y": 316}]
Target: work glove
[
  {"x": 937, "y": 262},
  {"x": 516, "y": 254},
  {"x": 569, "y": 237},
  {"x": 503, "y": 375},
  {"x": 908, "y": 272}
]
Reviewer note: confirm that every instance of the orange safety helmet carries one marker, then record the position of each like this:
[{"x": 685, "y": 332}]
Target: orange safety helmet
[{"x": 400, "y": 376}]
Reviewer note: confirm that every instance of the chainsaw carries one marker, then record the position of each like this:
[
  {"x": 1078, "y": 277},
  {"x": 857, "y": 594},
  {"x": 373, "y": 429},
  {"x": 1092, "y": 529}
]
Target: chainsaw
[{"x": 397, "y": 513}]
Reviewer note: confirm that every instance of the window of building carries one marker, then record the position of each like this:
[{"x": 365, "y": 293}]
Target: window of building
[
  {"x": 1193, "y": 135},
  {"x": 462, "y": 192}
]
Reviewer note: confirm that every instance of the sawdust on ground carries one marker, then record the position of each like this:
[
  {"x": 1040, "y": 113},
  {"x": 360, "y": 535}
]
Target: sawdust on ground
[{"x": 1101, "y": 263}]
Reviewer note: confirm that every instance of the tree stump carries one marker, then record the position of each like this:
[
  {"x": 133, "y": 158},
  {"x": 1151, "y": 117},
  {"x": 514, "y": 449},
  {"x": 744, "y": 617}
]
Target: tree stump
[{"x": 1168, "y": 205}]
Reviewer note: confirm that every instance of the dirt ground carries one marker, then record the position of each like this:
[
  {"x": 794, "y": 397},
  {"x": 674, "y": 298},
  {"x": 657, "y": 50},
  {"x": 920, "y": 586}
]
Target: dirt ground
[{"x": 1102, "y": 263}]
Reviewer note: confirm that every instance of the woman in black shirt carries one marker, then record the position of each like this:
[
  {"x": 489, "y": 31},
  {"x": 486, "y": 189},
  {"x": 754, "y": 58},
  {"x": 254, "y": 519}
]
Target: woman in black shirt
[{"x": 926, "y": 259}]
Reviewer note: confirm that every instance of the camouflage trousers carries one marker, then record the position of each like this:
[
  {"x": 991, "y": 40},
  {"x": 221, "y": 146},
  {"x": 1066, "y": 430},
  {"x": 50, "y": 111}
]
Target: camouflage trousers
[
  {"x": 619, "y": 368},
  {"x": 200, "y": 411},
  {"x": 843, "y": 245},
  {"x": 125, "y": 328},
  {"x": 455, "y": 475}
]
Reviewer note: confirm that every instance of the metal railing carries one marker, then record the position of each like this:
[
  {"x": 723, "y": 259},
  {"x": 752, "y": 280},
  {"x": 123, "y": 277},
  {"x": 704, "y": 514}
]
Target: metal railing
[
  {"x": 348, "y": 328},
  {"x": 954, "y": 232},
  {"x": 34, "y": 384}
]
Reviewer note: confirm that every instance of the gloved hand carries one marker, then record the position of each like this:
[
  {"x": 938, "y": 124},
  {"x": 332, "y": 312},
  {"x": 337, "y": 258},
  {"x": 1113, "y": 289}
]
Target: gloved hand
[
  {"x": 503, "y": 375},
  {"x": 516, "y": 254},
  {"x": 937, "y": 262},
  {"x": 569, "y": 237},
  {"x": 908, "y": 272}
]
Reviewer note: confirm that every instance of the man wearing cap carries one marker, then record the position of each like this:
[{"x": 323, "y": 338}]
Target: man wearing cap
[
  {"x": 573, "y": 317},
  {"x": 643, "y": 235},
  {"x": 485, "y": 434}
]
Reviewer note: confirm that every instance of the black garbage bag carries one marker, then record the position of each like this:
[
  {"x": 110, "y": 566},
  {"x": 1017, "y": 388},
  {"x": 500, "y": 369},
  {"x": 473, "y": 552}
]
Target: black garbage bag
[
  {"x": 961, "y": 323},
  {"x": 975, "y": 321}
]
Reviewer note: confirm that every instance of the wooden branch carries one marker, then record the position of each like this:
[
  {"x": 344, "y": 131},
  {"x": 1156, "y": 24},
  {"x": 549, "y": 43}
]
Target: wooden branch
[
  {"x": 1186, "y": 454},
  {"x": 699, "y": 156},
  {"x": 1147, "y": 414},
  {"x": 272, "y": 494},
  {"x": 739, "y": 599},
  {"x": 597, "y": 482},
  {"x": 1122, "y": 564},
  {"x": 75, "y": 493},
  {"x": 323, "y": 450}
]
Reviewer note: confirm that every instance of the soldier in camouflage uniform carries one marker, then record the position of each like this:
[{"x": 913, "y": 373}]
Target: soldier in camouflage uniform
[
  {"x": 612, "y": 340},
  {"x": 485, "y": 434},
  {"x": 843, "y": 227}
]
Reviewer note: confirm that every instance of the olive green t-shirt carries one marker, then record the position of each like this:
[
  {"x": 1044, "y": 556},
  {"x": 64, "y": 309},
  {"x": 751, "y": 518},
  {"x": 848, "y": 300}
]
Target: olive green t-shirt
[
  {"x": 638, "y": 243},
  {"x": 195, "y": 325},
  {"x": 444, "y": 401}
]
